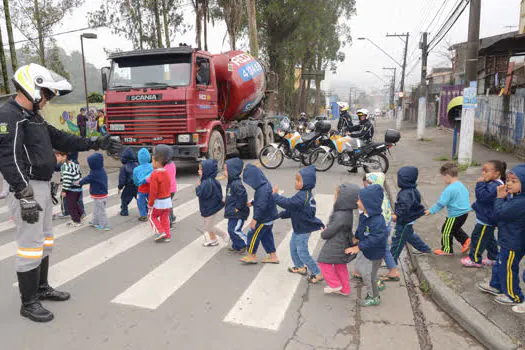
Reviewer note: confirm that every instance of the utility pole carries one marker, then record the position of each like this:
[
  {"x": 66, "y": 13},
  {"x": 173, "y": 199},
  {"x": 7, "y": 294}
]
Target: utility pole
[
  {"x": 469, "y": 104},
  {"x": 252, "y": 28},
  {"x": 422, "y": 108},
  {"x": 392, "y": 88},
  {"x": 401, "y": 114}
]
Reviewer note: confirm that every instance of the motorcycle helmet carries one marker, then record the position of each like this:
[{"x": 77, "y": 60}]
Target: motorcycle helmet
[
  {"x": 345, "y": 108},
  {"x": 37, "y": 82},
  {"x": 362, "y": 112}
]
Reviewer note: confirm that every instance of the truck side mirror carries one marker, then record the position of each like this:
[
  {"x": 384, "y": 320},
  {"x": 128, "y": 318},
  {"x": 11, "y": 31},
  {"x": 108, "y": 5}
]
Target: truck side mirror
[{"x": 104, "y": 72}]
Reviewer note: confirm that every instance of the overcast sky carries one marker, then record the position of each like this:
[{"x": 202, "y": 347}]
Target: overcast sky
[{"x": 374, "y": 19}]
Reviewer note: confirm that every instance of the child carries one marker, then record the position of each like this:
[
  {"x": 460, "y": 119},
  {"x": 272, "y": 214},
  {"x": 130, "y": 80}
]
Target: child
[
  {"x": 456, "y": 198},
  {"x": 125, "y": 180},
  {"x": 172, "y": 172},
  {"x": 492, "y": 175},
  {"x": 264, "y": 213},
  {"x": 98, "y": 189},
  {"x": 509, "y": 213},
  {"x": 339, "y": 236},
  {"x": 301, "y": 209},
  {"x": 408, "y": 209},
  {"x": 140, "y": 174},
  {"x": 71, "y": 190},
  {"x": 235, "y": 209},
  {"x": 371, "y": 240},
  {"x": 209, "y": 191},
  {"x": 159, "y": 196}
]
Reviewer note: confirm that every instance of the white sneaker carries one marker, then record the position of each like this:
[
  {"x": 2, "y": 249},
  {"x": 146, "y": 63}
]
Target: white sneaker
[
  {"x": 330, "y": 290},
  {"x": 74, "y": 224},
  {"x": 520, "y": 309},
  {"x": 210, "y": 243},
  {"x": 485, "y": 287}
]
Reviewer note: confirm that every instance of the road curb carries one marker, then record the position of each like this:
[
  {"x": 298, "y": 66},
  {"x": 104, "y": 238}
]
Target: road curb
[{"x": 485, "y": 331}]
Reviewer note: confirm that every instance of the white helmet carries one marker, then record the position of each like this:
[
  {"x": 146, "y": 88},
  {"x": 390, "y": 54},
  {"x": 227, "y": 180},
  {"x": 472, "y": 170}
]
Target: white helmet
[
  {"x": 362, "y": 112},
  {"x": 36, "y": 82}
]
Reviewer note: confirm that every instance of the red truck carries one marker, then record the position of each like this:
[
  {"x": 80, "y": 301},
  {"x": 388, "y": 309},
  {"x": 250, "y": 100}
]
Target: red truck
[{"x": 200, "y": 104}]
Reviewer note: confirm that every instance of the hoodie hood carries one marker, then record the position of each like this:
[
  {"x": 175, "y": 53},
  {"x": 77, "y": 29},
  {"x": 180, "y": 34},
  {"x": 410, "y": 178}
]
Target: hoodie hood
[
  {"x": 308, "y": 175},
  {"x": 235, "y": 166},
  {"x": 96, "y": 161},
  {"x": 164, "y": 150},
  {"x": 128, "y": 156},
  {"x": 519, "y": 171},
  {"x": 73, "y": 156},
  {"x": 144, "y": 156},
  {"x": 209, "y": 168},
  {"x": 372, "y": 199},
  {"x": 376, "y": 179},
  {"x": 407, "y": 177},
  {"x": 347, "y": 197},
  {"x": 254, "y": 176}
]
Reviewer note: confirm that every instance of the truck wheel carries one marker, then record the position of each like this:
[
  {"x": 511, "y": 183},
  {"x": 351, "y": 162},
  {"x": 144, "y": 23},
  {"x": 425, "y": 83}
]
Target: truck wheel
[
  {"x": 216, "y": 148},
  {"x": 255, "y": 144},
  {"x": 268, "y": 134}
]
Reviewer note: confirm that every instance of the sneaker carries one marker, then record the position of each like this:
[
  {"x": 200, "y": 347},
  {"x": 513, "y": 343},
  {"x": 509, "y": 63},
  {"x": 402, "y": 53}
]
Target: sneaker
[
  {"x": 160, "y": 236},
  {"x": 124, "y": 214},
  {"x": 143, "y": 218},
  {"x": 418, "y": 252},
  {"x": 520, "y": 308},
  {"x": 341, "y": 293},
  {"x": 442, "y": 253},
  {"x": 100, "y": 228},
  {"x": 504, "y": 300},
  {"x": 369, "y": 301},
  {"x": 467, "y": 262},
  {"x": 61, "y": 216},
  {"x": 74, "y": 224},
  {"x": 330, "y": 290},
  {"x": 210, "y": 243},
  {"x": 92, "y": 224},
  {"x": 165, "y": 240},
  {"x": 488, "y": 262},
  {"x": 466, "y": 246},
  {"x": 487, "y": 288},
  {"x": 381, "y": 285}
]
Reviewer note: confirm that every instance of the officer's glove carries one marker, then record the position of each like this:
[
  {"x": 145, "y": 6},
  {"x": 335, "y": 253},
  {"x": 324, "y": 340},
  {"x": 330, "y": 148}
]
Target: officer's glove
[
  {"x": 108, "y": 143},
  {"x": 29, "y": 206}
]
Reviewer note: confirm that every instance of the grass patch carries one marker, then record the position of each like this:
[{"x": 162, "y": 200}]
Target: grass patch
[
  {"x": 424, "y": 287},
  {"x": 491, "y": 144},
  {"x": 442, "y": 159},
  {"x": 463, "y": 167}
]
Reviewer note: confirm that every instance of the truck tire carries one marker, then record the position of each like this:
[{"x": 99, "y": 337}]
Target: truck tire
[
  {"x": 255, "y": 144},
  {"x": 216, "y": 148},
  {"x": 268, "y": 134}
]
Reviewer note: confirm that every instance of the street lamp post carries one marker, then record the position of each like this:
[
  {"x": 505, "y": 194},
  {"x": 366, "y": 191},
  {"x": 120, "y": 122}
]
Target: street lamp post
[{"x": 85, "y": 36}]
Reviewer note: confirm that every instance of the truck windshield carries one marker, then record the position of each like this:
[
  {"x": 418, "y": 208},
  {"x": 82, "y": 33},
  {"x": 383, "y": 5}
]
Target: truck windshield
[{"x": 150, "y": 71}]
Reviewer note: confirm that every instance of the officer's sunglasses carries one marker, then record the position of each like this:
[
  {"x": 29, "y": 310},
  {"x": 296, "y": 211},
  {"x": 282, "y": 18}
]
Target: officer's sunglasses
[{"x": 48, "y": 94}]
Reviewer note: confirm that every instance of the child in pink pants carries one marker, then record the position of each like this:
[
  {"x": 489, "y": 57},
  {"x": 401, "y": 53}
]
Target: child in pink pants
[{"x": 338, "y": 236}]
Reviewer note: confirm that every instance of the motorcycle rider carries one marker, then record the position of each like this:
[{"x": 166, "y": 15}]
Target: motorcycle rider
[
  {"x": 363, "y": 131},
  {"x": 27, "y": 162},
  {"x": 345, "y": 120},
  {"x": 301, "y": 122}
]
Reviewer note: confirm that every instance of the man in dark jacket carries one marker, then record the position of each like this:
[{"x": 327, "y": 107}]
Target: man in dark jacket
[
  {"x": 27, "y": 162},
  {"x": 125, "y": 180},
  {"x": 264, "y": 213},
  {"x": 345, "y": 120},
  {"x": 82, "y": 122},
  {"x": 235, "y": 209},
  {"x": 408, "y": 209}
]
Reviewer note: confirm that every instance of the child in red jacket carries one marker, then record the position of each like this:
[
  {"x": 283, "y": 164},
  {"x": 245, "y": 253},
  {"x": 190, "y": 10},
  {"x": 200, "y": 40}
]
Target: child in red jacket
[{"x": 159, "y": 202}]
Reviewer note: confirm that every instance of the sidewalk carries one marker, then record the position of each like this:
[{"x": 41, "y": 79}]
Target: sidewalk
[{"x": 452, "y": 286}]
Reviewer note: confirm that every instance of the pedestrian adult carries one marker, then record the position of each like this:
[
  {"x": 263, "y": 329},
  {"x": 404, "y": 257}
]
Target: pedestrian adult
[
  {"x": 27, "y": 161},
  {"x": 82, "y": 122}
]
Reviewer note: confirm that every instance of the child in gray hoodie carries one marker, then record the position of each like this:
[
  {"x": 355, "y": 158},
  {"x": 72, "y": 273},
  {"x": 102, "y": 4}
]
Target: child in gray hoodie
[{"x": 339, "y": 235}]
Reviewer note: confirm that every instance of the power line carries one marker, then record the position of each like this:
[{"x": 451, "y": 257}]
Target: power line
[
  {"x": 438, "y": 12},
  {"x": 53, "y": 35},
  {"x": 437, "y": 40}
]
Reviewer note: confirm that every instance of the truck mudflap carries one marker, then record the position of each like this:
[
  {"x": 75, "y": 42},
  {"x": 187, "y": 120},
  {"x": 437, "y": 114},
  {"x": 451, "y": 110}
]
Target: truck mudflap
[{"x": 179, "y": 151}]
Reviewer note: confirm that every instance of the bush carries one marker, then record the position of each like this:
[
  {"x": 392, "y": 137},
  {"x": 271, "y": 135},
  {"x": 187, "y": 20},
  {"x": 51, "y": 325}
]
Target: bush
[{"x": 95, "y": 97}]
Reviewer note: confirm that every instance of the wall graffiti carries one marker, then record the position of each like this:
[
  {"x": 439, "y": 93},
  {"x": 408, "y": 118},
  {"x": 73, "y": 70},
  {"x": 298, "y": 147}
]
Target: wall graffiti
[{"x": 69, "y": 120}]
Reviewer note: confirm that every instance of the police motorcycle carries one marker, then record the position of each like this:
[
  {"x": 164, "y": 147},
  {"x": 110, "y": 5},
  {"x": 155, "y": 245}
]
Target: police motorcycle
[{"x": 293, "y": 145}]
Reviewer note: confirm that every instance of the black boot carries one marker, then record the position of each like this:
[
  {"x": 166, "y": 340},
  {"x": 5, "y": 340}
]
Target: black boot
[
  {"x": 45, "y": 291},
  {"x": 31, "y": 307},
  {"x": 353, "y": 170}
]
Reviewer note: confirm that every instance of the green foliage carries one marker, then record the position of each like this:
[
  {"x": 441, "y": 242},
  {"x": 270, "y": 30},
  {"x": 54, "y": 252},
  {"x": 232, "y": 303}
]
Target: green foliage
[
  {"x": 95, "y": 97},
  {"x": 442, "y": 159}
]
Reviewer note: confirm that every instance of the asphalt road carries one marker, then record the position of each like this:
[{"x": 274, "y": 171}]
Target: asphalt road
[{"x": 129, "y": 292}]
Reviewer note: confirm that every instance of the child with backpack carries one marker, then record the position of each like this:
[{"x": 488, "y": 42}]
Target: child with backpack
[
  {"x": 98, "y": 190},
  {"x": 126, "y": 186},
  {"x": 235, "y": 208},
  {"x": 172, "y": 173},
  {"x": 140, "y": 174}
]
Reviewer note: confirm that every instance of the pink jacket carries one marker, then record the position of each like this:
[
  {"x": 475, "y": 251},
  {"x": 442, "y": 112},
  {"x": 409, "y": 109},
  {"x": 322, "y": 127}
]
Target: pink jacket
[{"x": 172, "y": 172}]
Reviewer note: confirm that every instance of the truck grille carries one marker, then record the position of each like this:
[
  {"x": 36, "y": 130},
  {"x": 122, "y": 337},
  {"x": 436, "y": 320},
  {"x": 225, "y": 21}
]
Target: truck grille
[{"x": 147, "y": 120}]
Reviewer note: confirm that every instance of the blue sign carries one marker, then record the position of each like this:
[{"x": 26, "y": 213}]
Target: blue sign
[{"x": 250, "y": 70}]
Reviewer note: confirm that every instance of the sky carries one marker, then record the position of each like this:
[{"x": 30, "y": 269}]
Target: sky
[{"x": 374, "y": 19}]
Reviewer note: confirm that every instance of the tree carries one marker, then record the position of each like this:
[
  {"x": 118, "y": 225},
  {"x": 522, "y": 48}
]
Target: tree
[
  {"x": 4, "y": 65},
  {"x": 234, "y": 15},
  {"x": 95, "y": 97},
  {"x": 12, "y": 50},
  {"x": 36, "y": 19}
]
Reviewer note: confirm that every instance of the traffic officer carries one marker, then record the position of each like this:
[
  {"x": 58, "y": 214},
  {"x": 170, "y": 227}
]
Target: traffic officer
[
  {"x": 364, "y": 130},
  {"x": 27, "y": 162}
]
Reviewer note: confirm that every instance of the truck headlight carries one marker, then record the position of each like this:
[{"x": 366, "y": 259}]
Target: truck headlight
[{"x": 184, "y": 138}]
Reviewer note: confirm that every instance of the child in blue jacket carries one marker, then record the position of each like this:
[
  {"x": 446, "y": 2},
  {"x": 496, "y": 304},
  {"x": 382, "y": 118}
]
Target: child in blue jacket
[
  {"x": 235, "y": 209},
  {"x": 209, "y": 191},
  {"x": 264, "y": 213},
  {"x": 98, "y": 189},
  {"x": 371, "y": 237},
  {"x": 140, "y": 174},
  {"x": 492, "y": 176},
  {"x": 509, "y": 213},
  {"x": 301, "y": 209},
  {"x": 455, "y": 198},
  {"x": 125, "y": 180}
]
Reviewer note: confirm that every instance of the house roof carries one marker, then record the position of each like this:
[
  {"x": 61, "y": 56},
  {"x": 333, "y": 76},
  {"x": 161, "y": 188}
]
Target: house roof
[
  {"x": 513, "y": 45},
  {"x": 486, "y": 42}
]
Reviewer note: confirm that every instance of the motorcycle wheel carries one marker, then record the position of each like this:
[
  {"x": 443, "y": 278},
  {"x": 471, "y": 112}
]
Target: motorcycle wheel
[
  {"x": 377, "y": 163},
  {"x": 271, "y": 157},
  {"x": 321, "y": 159},
  {"x": 305, "y": 159}
]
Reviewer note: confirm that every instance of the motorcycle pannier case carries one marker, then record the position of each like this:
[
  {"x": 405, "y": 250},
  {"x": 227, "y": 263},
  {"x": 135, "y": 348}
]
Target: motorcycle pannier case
[
  {"x": 392, "y": 136},
  {"x": 323, "y": 127}
]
